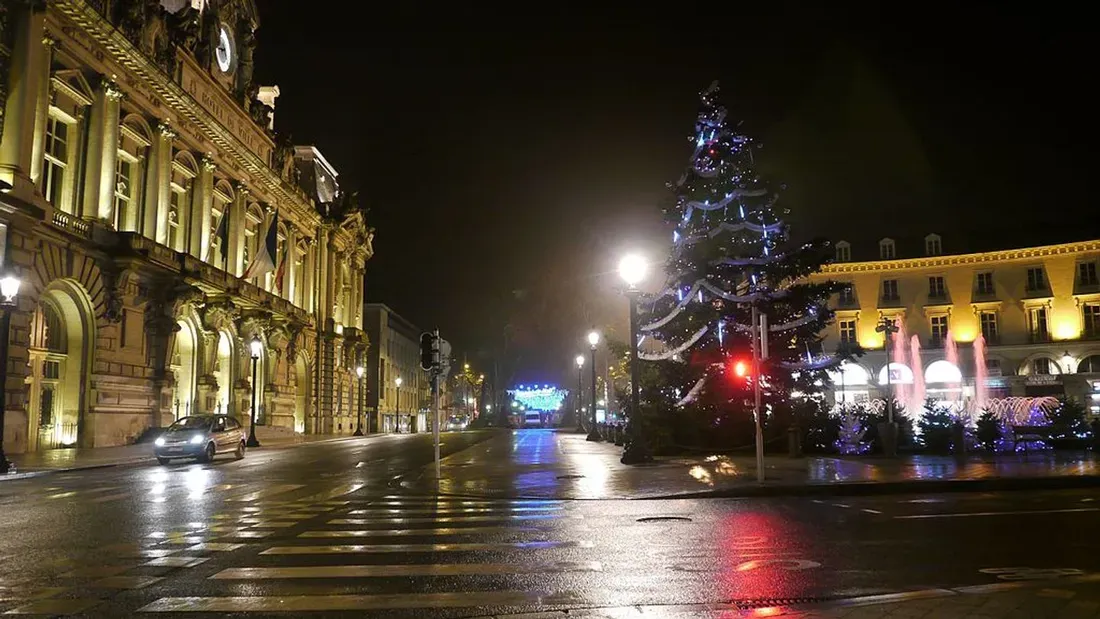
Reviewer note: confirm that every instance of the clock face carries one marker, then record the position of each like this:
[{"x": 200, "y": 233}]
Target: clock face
[{"x": 224, "y": 51}]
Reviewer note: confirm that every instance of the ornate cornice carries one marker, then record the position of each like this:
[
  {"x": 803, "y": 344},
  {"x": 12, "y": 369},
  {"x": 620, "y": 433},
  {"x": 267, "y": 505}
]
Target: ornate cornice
[
  {"x": 122, "y": 52},
  {"x": 931, "y": 262}
]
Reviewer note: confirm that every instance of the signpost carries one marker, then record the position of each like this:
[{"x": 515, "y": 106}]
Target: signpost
[{"x": 435, "y": 357}]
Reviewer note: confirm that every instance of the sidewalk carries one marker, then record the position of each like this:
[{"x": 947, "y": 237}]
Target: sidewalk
[
  {"x": 549, "y": 464},
  {"x": 53, "y": 460}
]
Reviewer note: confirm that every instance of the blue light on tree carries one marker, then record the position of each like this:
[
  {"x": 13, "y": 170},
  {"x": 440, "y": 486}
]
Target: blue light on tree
[{"x": 544, "y": 398}]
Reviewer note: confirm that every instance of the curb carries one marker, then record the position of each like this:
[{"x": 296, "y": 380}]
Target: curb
[
  {"x": 149, "y": 459},
  {"x": 863, "y": 488}
]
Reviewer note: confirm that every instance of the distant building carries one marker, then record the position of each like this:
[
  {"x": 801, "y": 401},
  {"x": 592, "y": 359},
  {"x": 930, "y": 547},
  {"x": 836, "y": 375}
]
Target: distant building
[
  {"x": 140, "y": 174},
  {"x": 394, "y": 355},
  {"x": 1036, "y": 308}
]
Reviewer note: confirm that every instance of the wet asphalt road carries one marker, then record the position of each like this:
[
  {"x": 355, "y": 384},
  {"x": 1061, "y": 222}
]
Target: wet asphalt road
[{"x": 324, "y": 529}]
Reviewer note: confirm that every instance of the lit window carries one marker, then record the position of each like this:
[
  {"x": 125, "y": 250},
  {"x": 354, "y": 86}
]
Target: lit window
[
  {"x": 55, "y": 162},
  {"x": 939, "y": 330},
  {"x": 847, "y": 331},
  {"x": 988, "y": 323}
]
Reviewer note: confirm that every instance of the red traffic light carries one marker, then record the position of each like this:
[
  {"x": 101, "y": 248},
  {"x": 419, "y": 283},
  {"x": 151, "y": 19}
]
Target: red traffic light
[{"x": 740, "y": 369}]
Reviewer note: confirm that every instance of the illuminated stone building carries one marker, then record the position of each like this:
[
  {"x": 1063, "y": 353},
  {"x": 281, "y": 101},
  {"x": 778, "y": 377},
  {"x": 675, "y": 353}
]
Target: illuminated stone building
[
  {"x": 398, "y": 390},
  {"x": 1037, "y": 310},
  {"x": 141, "y": 178}
]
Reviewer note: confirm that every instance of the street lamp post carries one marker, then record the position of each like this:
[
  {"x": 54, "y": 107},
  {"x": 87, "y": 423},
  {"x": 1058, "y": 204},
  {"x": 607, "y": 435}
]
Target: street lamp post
[
  {"x": 632, "y": 268},
  {"x": 593, "y": 340},
  {"x": 256, "y": 347},
  {"x": 359, "y": 413},
  {"x": 577, "y": 407},
  {"x": 888, "y": 432},
  {"x": 9, "y": 288},
  {"x": 397, "y": 406}
]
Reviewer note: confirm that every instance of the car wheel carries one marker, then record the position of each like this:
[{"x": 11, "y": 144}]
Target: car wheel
[
  {"x": 208, "y": 453},
  {"x": 163, "y": 461},
  {"x": 240, "y": 451}
]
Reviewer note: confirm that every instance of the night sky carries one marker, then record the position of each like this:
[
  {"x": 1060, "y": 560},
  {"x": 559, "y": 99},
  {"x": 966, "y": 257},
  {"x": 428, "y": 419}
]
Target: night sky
[{"x": 509, "y": 157}]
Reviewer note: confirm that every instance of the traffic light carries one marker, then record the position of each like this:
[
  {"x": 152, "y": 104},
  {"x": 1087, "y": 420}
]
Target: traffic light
[
  {"x": 740, "y": 369},
  {"x": 427, "y": 350}
]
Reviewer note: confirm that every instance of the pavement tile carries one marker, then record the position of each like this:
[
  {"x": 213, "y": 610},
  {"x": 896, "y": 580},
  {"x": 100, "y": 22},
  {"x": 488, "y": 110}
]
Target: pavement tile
[{"x": 54, "y": 607}]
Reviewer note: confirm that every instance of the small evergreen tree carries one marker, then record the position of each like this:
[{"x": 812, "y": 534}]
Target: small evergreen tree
[
  {"x": 989, "y": 431},
  {"x": 935, "y": 427},
  {"x": 850, "y": 433}
]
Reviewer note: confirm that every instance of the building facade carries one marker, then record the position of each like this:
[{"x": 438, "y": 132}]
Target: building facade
[
  {"x": 398, "y": 390},
  {"x": 1035, "y": 310},
  {"x": 160, "y": 226}
]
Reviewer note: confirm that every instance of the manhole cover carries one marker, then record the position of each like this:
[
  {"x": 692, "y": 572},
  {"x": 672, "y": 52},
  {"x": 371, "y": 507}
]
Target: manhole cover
[
  {"x": 665, "y": 519},
  {"x": 570, "y": 476}
]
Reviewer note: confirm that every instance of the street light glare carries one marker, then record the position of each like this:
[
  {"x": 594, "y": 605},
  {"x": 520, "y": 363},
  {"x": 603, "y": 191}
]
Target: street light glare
[
  {"x": 632, "y": 268},
  {"x": 257, "y": 347},
  {"x": 9, "y": 287},
  {"x": 359, "y": 371},
  {"x": 397, "y": 381},
  {"x": 580, "y": 360},
  {"x": 593, "y": 338}
]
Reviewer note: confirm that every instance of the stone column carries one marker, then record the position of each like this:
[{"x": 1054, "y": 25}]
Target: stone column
[
  {"x": 99, "y": 164},
  {"x": 158, "y": 177},
  {"x": 202, "y": 200},
  {"x": 289, "y": 276},
  {"x": 237, "y": 210},
  {"x": 42, "y": 108},
  {"x": 28, "y": 64},
  {"x": 310, "y": 261}
]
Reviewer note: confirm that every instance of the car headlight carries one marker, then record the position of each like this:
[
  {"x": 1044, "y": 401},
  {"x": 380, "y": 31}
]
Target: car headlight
[
  {"x": 195, "y": 440},
  {"x": 159, "y": 442}
]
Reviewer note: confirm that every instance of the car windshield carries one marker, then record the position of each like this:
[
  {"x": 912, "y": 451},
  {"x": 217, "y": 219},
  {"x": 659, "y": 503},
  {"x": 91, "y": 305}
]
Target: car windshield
[{"x": 190, "y": 423}]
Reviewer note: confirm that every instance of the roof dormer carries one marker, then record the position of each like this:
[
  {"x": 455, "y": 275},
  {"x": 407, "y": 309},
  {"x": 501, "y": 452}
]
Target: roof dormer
[
  {"x": 886, "y": 249},
  {"x": 933, "y": 245},
  {"x": 843, "y": 251}
]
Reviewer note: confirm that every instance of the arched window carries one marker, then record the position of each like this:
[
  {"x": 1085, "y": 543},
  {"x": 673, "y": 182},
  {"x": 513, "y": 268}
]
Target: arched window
[
  {"x": 133, "y": 145},
  {"x": 900, "y": 374},
  {"x": 219, "y": 216},
  {"x": 1041, "y": 366},
  {"x": 184, "y": 172},
  {"x": 1089, "y": 365},
  {"x": 942, "y": 372}
]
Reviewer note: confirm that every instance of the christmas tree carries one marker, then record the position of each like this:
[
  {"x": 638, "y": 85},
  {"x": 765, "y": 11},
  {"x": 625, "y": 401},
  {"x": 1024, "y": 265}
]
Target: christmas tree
[{"x": 731, "y": 252}]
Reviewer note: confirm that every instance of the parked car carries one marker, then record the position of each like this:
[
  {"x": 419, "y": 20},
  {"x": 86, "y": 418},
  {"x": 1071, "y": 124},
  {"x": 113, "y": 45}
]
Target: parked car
[{"x": 201, "y": 437}]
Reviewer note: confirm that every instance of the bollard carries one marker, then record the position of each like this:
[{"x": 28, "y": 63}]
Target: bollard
[{"x": 794, "y": 442}]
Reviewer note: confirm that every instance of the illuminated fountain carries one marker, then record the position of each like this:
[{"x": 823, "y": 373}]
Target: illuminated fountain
[
  {"x": 918, "y": 375},
  {"x": 981, "y": 389},
  {"x": 901, "y": 389},
  {"x": 951, "y": 354}
]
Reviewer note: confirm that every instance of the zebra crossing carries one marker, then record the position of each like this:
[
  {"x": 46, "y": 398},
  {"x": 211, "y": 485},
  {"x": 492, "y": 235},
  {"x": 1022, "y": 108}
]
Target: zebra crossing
[{"x": 395, "y": 553}]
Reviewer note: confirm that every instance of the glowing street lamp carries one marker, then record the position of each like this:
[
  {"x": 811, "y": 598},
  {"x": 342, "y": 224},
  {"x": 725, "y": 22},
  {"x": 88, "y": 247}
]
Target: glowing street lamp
[
  {"x": 359, "y": 371},
  {"x": 633, "y": 269},
  {"x": 256, "y": 347},
  {"x": 593, "y": 341},
  {"x": 397, "y": 406},
  {"x": 9, "y": 289}
]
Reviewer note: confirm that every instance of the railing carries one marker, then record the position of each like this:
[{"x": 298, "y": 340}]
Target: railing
[{"x": 72, "y": 224}]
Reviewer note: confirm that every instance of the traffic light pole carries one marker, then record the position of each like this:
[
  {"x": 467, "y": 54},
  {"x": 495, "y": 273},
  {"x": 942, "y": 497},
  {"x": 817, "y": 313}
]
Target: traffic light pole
[
  {"x": 435, "y": 400},
  {"x": 757, "y": 333}
]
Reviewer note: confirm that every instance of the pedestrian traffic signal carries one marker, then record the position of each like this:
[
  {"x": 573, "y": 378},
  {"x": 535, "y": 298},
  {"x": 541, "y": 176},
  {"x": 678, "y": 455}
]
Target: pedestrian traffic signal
[{"x": 427, "y": 350}]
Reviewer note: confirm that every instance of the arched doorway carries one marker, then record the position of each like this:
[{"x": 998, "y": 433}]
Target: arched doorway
[
  {"x": 222, "y": 372},
  {"x": 58, "y": 361},
  {"x": 184, "y": 368},
  {"x": 301, "y": 394}
]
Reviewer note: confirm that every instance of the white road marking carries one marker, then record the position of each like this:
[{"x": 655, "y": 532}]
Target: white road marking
[{"x": 1008, "y": 513}]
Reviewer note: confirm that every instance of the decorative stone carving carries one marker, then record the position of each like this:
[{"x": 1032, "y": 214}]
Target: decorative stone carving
[
  {"x": 112, "y": 300},
  {"x": 165, "y": 130},
  {"x": 208, "y": 163},
  {"x": 278, "y": 337},
  {"x": 246, "y": 50},
  {"x": 253, "y": 326},
  {"x": 111, "y": 89},
  {"x": 219, "y": 316},
  {"x": 186, "y": 27},
  {"x": 295, "y": 336}
]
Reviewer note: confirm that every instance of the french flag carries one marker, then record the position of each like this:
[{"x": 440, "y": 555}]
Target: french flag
[{"x": 264, "y": 260}]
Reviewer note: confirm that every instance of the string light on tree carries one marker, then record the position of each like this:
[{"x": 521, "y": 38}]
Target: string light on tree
[{"x": 732, "y": 253}]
